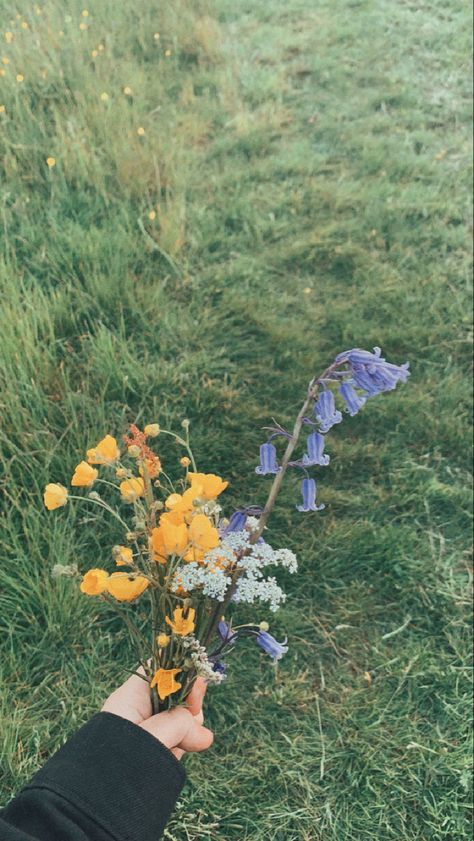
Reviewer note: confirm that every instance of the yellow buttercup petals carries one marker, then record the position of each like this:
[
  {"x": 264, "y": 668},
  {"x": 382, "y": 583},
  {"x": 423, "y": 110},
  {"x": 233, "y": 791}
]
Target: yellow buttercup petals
[
  {"x": 123, "y": 555},
  {"x": 163, "y": 640},
  {"x": 94, "y": 582},
  {"x": 165, "y": 682},
  {"x": 55, "y": 496},
  {"x": 182, "y": 625},
  {"x": 210, "y": 484},
  {"x": 131, "y": 489},
  {"x": 84, "y": 475},
  {"x": 106, "y": 452},
  {"x": 124, "y": 588},
  {"x": 51, "y": 162}
]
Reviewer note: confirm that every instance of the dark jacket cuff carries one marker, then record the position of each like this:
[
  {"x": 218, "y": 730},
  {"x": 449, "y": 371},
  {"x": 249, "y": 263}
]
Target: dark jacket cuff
[{"x": 119, "y": 774}]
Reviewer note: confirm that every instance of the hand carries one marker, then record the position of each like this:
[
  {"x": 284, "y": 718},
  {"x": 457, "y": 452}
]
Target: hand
[{"x": 179, "y": 729}]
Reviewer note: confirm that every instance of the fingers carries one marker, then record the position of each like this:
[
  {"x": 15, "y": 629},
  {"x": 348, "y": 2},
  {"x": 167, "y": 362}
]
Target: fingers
[
  {"x": 196, "y": 696},
  {"x": 178, "y": 728}
]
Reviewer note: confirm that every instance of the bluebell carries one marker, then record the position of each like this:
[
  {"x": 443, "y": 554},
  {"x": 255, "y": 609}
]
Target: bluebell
[
  {"x": 325, "y": 410},
  {"x": 268, "y": 460},
  {"x": 353, "y": 401},
  {"x": 309, "y": 490},
  {"x": 371, "y": 372},
  {"x": 270, "y": 645},
  {"x": 315, "y": 451}
]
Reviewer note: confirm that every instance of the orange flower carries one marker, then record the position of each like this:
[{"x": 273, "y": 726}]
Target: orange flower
[
  {"x": 123, "y": 555},
  {"x": 182, "y": 504},
  {"x": 164, "y": 680},
  {"x": 124, "y": 588},
  {"x": 106, "y": 451},
  {"x": 84, "y": 475},
  {"x": 153, "y": 466},
  {"x": 54, "y": 496},
  {"x": 157, "y": 546},
  {"x": 182, "y": 625},
  {"x": 94, "y": 582},
  {"x": 131, "y": 489},
  {"x": 211, "y": 485}
]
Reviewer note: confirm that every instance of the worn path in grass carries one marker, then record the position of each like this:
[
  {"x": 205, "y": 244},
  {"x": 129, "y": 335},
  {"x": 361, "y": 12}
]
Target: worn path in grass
[{"x": 240, "y": 192}]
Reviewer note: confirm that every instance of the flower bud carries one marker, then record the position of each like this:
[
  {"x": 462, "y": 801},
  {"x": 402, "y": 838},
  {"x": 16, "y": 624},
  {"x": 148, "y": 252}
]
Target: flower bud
[
  {"x": 140, "y": 525},
  {"x": 121, "y": 473},
  {"x": 264, "y": 626},
  {"x": 94, "y": 495},
  {"x": 185, "y": 461},
  {"x": 134, "y": 451},
  {"x": 163, "y": 640},
  {"x": 185, "y": 423},
  {"x": 152, "y": 430},
  {"x": 130, "y": 536}
]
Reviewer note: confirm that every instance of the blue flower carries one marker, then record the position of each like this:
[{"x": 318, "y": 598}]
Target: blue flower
[
  {"x": 353, "y": 401},
  {"x": 308, "y": 490},
  {"x": 371, "y": 372},
  {"x": 225, "y": 632},
  {"x": 326, "y": 412},
  {"x": 270, "y": 645},
  {"x": 315, "y": 447},
  {"x": 219, "y": 667},
  {"x": 236, "y": 523},
  {"x": 268, "y": 462}
]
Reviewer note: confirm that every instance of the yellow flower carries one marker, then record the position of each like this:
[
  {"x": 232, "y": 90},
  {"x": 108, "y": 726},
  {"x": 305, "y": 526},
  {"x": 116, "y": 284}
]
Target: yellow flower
[
  {"x": 140, "y": 131},
  {"x": 131, "y": 489},
  {"x": 183, "y": 503},
  {"x": 156, "y": 36},
  {"x": 8, "y": 37},
  {"x": 124, "y": 588},
  {"x": 106, "y": 451},
  {"x": 127, "y": 90},
  {"x": 83, "y": 26},
  {"x": 153, "y": 467},
  {"x": 175, "y": 538},
  {"x": 84, "y": 475},
  {"x": 123, "y": 555},
  {"x": 185, "y": 461},
  {"x": 51, "y": 162},
  {"x": 163, "y": 640},
  {"x": 19, "y": 77},
  {"x": 2, "y": 72},
  {"x": 54, "y": 496},
  {"x": 182, "y": 625},
  {"x": 5, "y": 60},
  {"x": 94, "y": 53},
  {"x": 104, "y": 96},
  {"x": 164, "y": 680},
  {"x": 101, "y": 47},
  {"x": 167, "y": 53},
  {"x": 202, "y": 533},
  {"x": 152, "y": 430},
  {"x": 157, "y": 546},
  {"x": 211, "y": 485},
  {"x": 121, "y": 473},
  {"x": 152, "y": 215},
  {"x": 2, "y": 109},
  {"x": 85, "y": 13},
  {"x": 94, "y": 582},
  {"x": 24, "y": 25}
]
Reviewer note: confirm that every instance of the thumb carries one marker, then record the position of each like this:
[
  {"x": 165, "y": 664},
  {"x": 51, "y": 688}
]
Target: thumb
[{"x": 178, "y": 727}]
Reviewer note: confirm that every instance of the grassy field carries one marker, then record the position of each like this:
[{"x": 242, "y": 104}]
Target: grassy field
[{"x": 240, "y": 190}]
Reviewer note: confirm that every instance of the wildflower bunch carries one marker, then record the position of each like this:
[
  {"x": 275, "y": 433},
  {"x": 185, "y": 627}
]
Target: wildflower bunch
[{"x": 177, "y": 549}]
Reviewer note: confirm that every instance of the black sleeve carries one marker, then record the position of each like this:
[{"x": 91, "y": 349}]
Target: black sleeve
[{"x": 111, "y": 780}]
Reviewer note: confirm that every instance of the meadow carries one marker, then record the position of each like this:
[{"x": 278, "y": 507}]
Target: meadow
[{"x": 201, "y": 204}]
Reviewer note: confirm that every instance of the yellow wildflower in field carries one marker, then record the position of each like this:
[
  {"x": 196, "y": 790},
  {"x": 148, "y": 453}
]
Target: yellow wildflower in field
[
  {"x": 156, "y": 36},
  {"x": 94, "y": 582},
  {"x": 106, "y": 451},
  {"x": 85, "y": 13},
  {"x": 175, "y": 537},
  {"x": 210, "y": 484},
  {"x": 124, "y": 588},
  {"x": 84, "y": 475},
  {"x": 83, "y": 27},
  {"x": 2, "y": 71},
  {"x": 51, "y": 162},
  {"x": 152, "y": 215},
  {"x": 24, "y": 25},
  {"x": 140, "y": 131},
  {"x": 185, "y": 461},
  {"x": 157, "y": 546},
  {"x": 101, "y": 47},
  {"x": 203, "y": 537},
  {"x": 20, "y": 77},
  {"x": 128, "y": 92},
  {"x": 5, "y": 59},
  {"x": 8, "y": 37},
  {"x": 153, "y": 467},
  {"x": 152, "y": 430},
  {"x": 132, "y": 489},
  {"x": 182, "y": 625},
  {"x": 123, "y": 555},
  {"x": 167, "y": 53},
  {"x": 55, "y": 496},
  {"x": 2, "y": 109},
  {"x": 104, "y": 96},
  {"x": 165, "y": 682},
  {"x": 94, "y": 53}
]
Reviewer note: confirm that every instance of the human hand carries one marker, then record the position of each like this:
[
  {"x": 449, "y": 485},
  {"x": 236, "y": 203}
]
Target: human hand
[{"x": 180, "y": 729}]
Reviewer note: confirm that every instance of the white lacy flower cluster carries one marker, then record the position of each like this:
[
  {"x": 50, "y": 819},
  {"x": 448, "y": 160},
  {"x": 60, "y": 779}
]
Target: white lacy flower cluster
[
  {"x": 213, "y": 580},
  {"x": 252, "y": 586},
  {"x": 203, "y": 666}
]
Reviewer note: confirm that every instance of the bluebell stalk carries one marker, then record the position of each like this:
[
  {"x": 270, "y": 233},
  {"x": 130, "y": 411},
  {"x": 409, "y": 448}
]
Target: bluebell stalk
[
  {"x": 268, "y": 461},
  {"x": 315, "y": 451},
  {"x": 309, "y": 491},
  {"x": 353, "y": 401}
]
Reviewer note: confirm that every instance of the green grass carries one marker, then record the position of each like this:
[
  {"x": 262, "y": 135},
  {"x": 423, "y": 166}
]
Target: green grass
[{"x": 308, "y": 166}]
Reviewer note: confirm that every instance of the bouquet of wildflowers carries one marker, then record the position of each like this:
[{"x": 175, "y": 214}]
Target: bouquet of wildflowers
[{"x": 179, "y": 551}]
